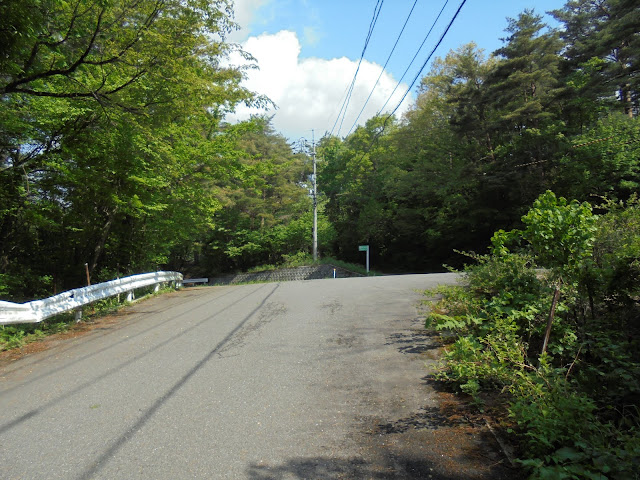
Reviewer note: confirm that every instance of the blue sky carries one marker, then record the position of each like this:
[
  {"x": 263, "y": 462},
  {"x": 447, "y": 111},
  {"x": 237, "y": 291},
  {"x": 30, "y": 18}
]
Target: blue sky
[{"x": 306, "y": 49}]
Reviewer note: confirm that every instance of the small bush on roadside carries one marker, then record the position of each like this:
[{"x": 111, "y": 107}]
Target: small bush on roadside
[{"x": 17, "y": 336}]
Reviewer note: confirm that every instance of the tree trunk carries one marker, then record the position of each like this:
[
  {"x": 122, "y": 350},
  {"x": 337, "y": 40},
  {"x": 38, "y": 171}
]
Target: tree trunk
[
  {"x": 552, "y": 313},
  {"x": 628, "y": 102},
  {"x": 97, "y": 251}
]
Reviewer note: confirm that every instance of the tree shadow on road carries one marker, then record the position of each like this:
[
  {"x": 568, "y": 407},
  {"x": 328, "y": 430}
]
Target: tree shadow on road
[
  {"x": 390, "y": 467},
  {"x": 321, "y": 468},
  {"x": 413, "y": 342}
]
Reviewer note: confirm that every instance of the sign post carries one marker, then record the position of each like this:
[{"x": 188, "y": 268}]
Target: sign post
[{"x": 365, "y": 248}]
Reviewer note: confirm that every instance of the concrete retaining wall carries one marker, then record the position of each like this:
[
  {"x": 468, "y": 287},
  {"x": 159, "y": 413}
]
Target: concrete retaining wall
[{"x": 285, "y": 275}]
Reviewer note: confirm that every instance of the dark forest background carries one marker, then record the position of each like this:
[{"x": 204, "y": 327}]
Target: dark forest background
[{"x": 114, "y": 150}]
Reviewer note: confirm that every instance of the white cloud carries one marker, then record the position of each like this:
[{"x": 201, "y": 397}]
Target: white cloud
[
  {"x": 311, "y": 36},
  {"x": 244, "y": 14},
  {"x": 309, "y": 92}
]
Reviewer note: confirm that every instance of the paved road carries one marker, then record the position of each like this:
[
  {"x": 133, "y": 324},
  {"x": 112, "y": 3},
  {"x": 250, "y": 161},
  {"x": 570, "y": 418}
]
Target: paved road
[{"x": 265, "y": 381}]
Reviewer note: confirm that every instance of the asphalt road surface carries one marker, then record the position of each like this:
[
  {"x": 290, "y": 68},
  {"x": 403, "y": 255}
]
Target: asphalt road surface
[{"x": 314, "y": 379}]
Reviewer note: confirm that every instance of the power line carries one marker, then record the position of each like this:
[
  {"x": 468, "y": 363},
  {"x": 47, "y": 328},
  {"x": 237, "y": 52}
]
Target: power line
[
  {"x": 415, "y": 56},
  {"x": 415, "y": 79},
  {"x": 384, "y": 67},
  {"x": 353, "y": 83},
  {"x": 342, "y": 98},
  {"x": 345, "y": 104},
  {"x": 384, "y": 124}
]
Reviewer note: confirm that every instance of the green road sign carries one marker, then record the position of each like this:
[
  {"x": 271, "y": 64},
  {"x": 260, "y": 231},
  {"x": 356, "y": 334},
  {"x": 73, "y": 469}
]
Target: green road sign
[{"x": 363, "y": 248}]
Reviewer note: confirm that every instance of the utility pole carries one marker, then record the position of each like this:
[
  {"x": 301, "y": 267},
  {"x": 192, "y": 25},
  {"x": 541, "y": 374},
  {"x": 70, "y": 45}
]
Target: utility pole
[
  {"x": 313, "y": 192},
  {"x": 315, "y": 198}
]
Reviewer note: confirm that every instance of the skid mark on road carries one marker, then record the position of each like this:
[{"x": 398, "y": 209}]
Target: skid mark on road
[
  {"x": 346, "y": 340},
  {"x": 268, "y": 313},
  {"x": 111, "y": 371},
  {"x": 110, "y": 346},
  {"x": 97, "y": 465},
  {"x": 332, "y": 307}
]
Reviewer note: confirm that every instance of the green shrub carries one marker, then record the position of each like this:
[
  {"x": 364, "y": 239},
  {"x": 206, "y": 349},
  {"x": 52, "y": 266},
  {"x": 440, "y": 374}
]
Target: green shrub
[
  {"x": 564, "y": 438},
  {"x": 570, "y": 405},
  {"x": 560, "y": 233}
]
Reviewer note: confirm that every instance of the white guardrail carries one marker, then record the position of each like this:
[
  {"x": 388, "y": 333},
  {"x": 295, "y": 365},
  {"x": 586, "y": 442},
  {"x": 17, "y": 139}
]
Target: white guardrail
[{"x": 38, "y": 310}]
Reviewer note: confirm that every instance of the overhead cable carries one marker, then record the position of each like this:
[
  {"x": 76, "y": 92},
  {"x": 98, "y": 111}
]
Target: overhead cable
[
  {"x": 424, "y": 40},
  {"x": 415, "y": 79},
  {"x": 345, "y": 103},
  {"x": 384, "y": 124},
  {"x": 384, "y": 67},
  {"x": 353, "y": 82}
]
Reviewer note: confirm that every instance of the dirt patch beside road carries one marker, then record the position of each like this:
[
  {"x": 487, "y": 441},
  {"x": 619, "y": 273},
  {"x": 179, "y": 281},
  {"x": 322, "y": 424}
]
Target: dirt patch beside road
[
  {"x": 75, "y": 330},
  {"x": 89, "y": 324},
  {"x": 445, "y": 437}
]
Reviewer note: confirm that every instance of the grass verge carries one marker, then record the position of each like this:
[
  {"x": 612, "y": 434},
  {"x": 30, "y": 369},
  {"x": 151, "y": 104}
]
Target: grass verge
[{"x": 20, "y": 334}]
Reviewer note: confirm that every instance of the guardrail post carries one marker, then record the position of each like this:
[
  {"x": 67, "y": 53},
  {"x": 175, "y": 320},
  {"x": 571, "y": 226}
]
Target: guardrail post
[
  {"x": 156, "y": 289},
  {"x": 78, "y": 315},
  {"x": 130, "y": 296}
]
